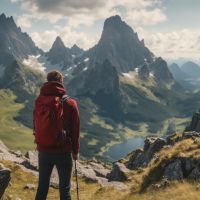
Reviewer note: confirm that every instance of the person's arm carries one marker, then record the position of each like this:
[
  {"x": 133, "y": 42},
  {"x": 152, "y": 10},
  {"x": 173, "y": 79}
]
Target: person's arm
[{"x": 75, "y": 131}]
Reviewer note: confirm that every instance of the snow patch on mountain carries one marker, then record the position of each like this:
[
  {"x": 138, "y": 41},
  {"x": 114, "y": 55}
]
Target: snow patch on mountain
[
  {"x": 86, "y": 59},
  {"x": 85, "y": 68}
]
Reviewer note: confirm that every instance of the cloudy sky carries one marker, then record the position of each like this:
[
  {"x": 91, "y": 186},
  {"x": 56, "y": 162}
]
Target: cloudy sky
[{"x": 170, "y": 28}]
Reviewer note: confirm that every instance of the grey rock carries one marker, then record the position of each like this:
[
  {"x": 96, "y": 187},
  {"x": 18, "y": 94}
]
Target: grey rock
[
  {"x": 191, "y": 134},
  {"x": 119, "y": 172},
  {"x": 4, "y": 179},
  {"x": 31, "y": 160},
  {"x": 30, "y": 186},
  {"x": 18, "y": 153},
  {"x": 173, "y": 171},
  {"x": 195, "y": 174},
  {"x": 99, "y": 169},
  {"x": 6, "y": 155},
  {"x": 141, "y": 158},
  {"x": 194, "y": 124}
]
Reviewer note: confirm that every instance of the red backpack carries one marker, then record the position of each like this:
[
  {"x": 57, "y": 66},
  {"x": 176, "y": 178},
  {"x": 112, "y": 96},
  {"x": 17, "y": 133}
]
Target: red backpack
[{"x": 48, "y": 121}]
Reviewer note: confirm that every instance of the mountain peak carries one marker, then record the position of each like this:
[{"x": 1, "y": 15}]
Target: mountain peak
[
  {"x": 121, "y": 46},
  {"x": 76, "y": 50},
  {"x": 2, "y": 16},
  {"x": 10, "y": 19},
  {"x": 58, "y": 43},
  {"x": 115, "y": 18},
  {"x": 116, "y": 23},
  {"x": 59, "y": 40}
]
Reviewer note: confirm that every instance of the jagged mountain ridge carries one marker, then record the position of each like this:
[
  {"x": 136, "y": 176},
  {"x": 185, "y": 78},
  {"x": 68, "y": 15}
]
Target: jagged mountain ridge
[
  {"x": 120, "y": 45},
  {"x": 14, "y": 44}
]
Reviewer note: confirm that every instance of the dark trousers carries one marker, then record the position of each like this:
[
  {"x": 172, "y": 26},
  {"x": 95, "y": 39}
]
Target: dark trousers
[{"x": 63, "y": 163}]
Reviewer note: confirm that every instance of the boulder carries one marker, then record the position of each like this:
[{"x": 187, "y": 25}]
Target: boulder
[
  {"x": 173, "y": 171},
  {"x": 195, "y": 174},
  {"x": 137, "y": 160},
  {"x": 99, "y": 169},
  {"x": 195, "y": 123},
  {"x": 31, "y": 160},
  {"x": 4, "y": 179},
  {"x": 141, "y": 158},
  {"x": 6, "y": 155},
  {"x": 119, "y": 172}
]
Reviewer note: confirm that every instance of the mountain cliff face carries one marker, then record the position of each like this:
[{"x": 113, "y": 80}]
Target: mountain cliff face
[
  {"x": 59, "y": 54},
  {"x": 120, "y": 45},
  {"x": 161, "y": 71},
  {"x": 14, "y": 44}
]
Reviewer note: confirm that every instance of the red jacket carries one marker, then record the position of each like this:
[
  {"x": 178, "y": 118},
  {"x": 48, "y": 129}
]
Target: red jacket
[{"x": 71, "y": 119}]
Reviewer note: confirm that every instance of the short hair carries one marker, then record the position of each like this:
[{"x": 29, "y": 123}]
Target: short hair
[{"x": 55, "y": 76}]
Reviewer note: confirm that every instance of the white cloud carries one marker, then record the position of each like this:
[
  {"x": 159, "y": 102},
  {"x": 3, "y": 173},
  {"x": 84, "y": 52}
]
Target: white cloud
[
  {"x": 145, "y": 17},
  {"x": 175, "y": 44},
  {"x": 24, "y": 21},
  {"x": 69, "y": 36},
  {"x": 88, "y": 11}
]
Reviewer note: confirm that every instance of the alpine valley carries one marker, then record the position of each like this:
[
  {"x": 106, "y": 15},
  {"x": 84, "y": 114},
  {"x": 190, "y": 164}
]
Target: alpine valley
[{"x": 123, "y": 90}]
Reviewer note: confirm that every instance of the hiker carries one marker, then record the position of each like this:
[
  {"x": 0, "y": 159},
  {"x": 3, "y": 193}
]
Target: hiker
[{"x": 57, "y": 133}]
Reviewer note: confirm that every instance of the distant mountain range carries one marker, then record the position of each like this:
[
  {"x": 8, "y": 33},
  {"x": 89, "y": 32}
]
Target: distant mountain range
[
  {"x": 121, "y": 86},
  {"x": 188, "y": 74}
]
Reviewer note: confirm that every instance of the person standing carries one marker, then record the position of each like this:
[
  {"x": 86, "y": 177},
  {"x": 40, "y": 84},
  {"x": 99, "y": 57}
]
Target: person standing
[{"x": 57, "y": 135}]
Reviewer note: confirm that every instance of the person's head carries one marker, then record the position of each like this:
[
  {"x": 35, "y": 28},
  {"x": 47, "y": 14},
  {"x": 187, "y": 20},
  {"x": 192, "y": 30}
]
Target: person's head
[{"x": 55, "y": 76}]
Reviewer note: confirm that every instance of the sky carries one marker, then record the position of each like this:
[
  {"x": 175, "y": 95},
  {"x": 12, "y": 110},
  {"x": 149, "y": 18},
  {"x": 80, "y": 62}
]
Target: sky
[{"x": 170, "y": 28}]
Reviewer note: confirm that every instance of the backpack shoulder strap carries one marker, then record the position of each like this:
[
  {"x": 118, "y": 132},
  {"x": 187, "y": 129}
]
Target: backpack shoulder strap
[{"x": 64, "y": 98}]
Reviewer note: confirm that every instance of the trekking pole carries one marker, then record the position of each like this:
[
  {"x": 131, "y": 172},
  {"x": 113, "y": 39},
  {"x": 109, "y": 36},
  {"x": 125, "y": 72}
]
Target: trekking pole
[{"x": 76, "y": 174}]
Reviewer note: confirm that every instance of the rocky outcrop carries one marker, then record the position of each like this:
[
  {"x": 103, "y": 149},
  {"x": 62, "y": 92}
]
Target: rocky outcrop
[
  {"x": 4, "y": 179},
  {"x": 173, "y": 171},
  {"x": 141, "y": 157},
  {"x": 144, "y": 72},
  {"x": 195, "y": 123},
  {"x": 92, "y": 171},
  {"x": 6, "y": 155},
  {"x": 31, "y": 160},
  {"x": 161, "y": 71},
  {"x": 119, "y": 172}
]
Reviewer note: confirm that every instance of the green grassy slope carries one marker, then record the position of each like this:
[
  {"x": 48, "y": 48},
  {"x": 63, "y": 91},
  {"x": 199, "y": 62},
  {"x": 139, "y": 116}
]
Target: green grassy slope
[{"x": 14, "y": 134}]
